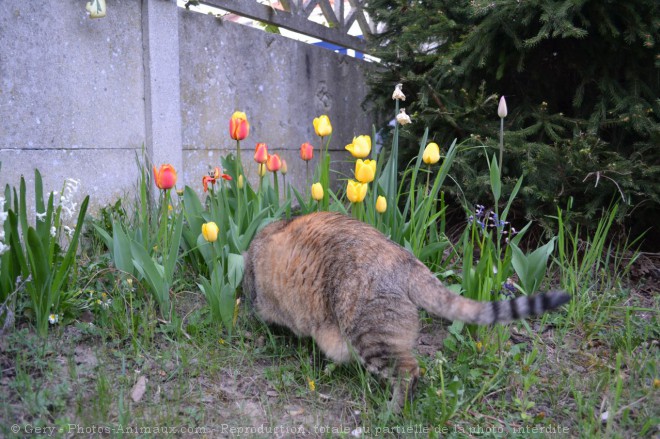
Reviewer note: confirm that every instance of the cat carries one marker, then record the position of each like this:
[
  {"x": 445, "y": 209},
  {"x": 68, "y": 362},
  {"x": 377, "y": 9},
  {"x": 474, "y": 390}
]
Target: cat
[{"x": 356, "y": 292}]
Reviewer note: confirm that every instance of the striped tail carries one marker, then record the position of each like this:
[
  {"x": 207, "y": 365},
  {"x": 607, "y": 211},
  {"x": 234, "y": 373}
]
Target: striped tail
[{"x": 434, "y": 297}]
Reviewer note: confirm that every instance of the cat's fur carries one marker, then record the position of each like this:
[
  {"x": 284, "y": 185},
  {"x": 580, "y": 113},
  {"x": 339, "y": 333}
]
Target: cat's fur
[{"x": 342, "y": 282}]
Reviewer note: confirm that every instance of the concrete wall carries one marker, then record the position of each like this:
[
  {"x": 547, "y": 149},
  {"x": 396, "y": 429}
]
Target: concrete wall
[{"x": 78, "y": 97}]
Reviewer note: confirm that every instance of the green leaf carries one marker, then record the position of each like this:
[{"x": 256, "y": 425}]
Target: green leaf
[
  {"x": 39, "y": 266},
  {"x": 495, "y": 181},
  {"x": 121, "y": 248},
  {"x": 173, "y": 251},
  {"x": 69, "y": 257},
  {"x": 235, "y": 266}
]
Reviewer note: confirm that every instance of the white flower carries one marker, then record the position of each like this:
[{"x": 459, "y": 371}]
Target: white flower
[
  {"x": 53, "y": 318},
  {"x": 53, "y": 231},
  {"x": 41, "y": 216},
  {"x": 403, "y": 118},
  {"x": 501, "y": 108},
  {"x": 3, "y": 217},
  {"x": 3, "y": 248},
  {"x": 398, "y": 94},
  {"x": 68, "y": 230}
]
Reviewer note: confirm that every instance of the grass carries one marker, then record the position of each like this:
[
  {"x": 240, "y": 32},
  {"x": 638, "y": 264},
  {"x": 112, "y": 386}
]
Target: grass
[{"x": 585, "y": 372}]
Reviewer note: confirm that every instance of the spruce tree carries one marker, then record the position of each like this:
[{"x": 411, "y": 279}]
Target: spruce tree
[{"x": 582, "y": 83}]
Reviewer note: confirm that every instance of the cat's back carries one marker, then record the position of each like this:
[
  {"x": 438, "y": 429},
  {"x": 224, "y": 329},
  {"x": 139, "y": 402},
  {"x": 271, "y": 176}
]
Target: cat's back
[
  {"x": 321, "y": 239},
  {"x": 319, "y": 267}
]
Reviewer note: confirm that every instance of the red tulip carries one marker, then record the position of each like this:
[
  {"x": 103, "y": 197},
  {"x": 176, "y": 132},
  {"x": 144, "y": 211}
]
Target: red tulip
[
  {"x": 261, "y": 153},
  {"x": 239, "y": 128},
  {"x": 274, "y": 163},
  {"x": 213, "y": 177},
  {"x": 165, "y": 177},
  {"x": 306, "y": 151}
]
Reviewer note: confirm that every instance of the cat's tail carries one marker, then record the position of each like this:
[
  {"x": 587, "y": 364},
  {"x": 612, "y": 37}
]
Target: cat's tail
[{"x": 437, "y": 299}]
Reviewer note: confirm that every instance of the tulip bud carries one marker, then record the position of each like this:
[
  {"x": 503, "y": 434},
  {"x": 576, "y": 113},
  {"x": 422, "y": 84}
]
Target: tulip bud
[
  {"x": 361, "y": 147},
  {"x": 317, "y": 191},
  {"x": 398, "y": 94},
  {"x": 210, "y": 231},
  {"x": 239, "y": 128},
  {"x": 381, "y": 204},
  {"x": 262, "y": 169},
  {"x": 240, "y": 181},
  {"x": 322, "y": 126},
  {"x": 306, "y": 151},
  {"x": 501, "y": 108},
  {"x": 356, "y": 191},
  {"x": 273, "y": 163},
  {"x": 431, "y": 154},
  {"x": 284, "y": 169},
  {"x": 403, "y": 118},
  {"x": 261, "y": 153},
  {"x": 165, "y": 177},
  {"x": 365, "y": 171}
]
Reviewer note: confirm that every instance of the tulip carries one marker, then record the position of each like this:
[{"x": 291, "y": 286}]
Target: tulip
[
  {"x": 365, "y": 171},
  {"x": 306, "y": 151},
  {"x": 273, "y": 163},
  {"x": 213, "y": 177},
  {"x": 261, "y": 153},
  {"x": 403, "y": 118},
  {"x": 262, "y": 169},
  {"x": 381, "y": 204},
  {"x": 317, "y": 191},
  {"x": 284, "y": 168},
  {"x": 501, "y": 108},
  {"x": 240, "y": 181},
  {"x": 356, "y": 191},
  {"x": 431, "y": 154},
  {"x": 322, "y": 126},
  {"x": 239, "y": 128},
  {"x": 398, "y": 94},
  {"x": 361, "y": 147},
  {"x": 210, "y": 231},
  {"x": 165, "y": 177}
]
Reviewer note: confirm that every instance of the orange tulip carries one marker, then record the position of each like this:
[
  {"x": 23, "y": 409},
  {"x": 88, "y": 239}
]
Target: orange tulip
[
  {"x": 284, "y": 169},
  {"x": 274, "y": 163},
  {"x": 306, "y": 151},
  {"x": 239, "y": 128},
  {"x": 261, "y": 153},
  {"x": 165, "y": 177}
]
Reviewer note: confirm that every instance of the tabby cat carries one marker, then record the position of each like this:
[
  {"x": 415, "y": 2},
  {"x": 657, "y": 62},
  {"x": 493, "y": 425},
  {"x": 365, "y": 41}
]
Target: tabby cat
[{"x": 354, "y": 291}]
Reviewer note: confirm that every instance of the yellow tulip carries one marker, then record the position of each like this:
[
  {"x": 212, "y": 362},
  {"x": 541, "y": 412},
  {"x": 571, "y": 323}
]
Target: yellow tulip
[
  {"x": 262, "y": 169},
  {"x": 317, "y": 191},
  {"x": 356, "y": 191},
  {"x": 431, "y": 154},
  {"x": 240, "y": 181},
  {"x": 381, "y": 204},
  {"x": 361, "y": 147},
  {"x": 365, "y": 171},
  {"x": 210, "y": 231},
  {"x": 322, "y": 126}
]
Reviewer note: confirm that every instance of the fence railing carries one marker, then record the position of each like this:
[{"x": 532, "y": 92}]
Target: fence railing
[{"x": 294, "y": 16}]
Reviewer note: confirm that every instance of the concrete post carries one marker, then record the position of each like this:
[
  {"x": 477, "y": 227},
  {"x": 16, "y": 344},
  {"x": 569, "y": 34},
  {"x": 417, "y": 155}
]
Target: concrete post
[{"x": 160, "y": 30}]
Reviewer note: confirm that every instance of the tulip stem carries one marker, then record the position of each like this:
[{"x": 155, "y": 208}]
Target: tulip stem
[
  {"x": 237, "y": 174},
  {"x": 501, "y": 141},
  {"x": 428, "y": 176}
]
